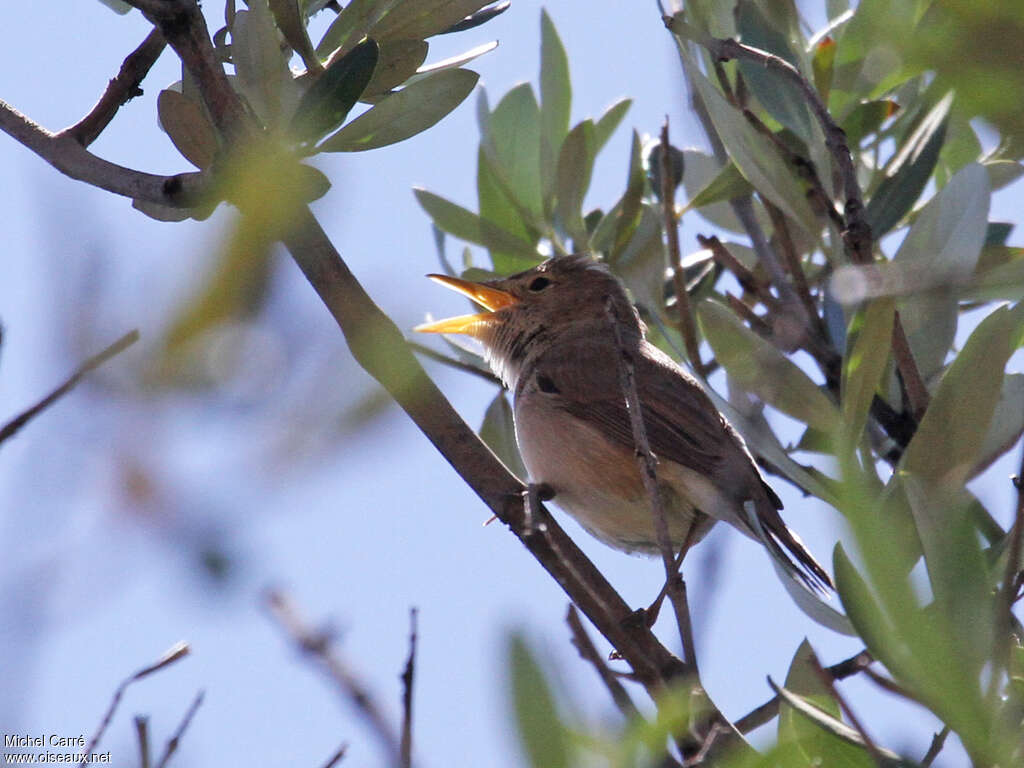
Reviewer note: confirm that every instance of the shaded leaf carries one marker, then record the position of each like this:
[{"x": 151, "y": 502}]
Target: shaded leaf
[
  {"x": 350, "y": 26},
  {"x": 499, "y": 432},
  {"x": 398, "y": 61},
  {"x": 544, "y": 738},
  {"x": 260, "y": 65},
  {"x": 117, "y": 6},
  {"x": 1007, "y": 423},
  {"x": 289, "y": 20},
  {"x": 756, "y": 157},
  {"x": 909, "y": 170},
  {"x": 423, "y": 18},
  {"x": 869, "y": 341},
  {"x": 781, "y": 98},
  {"x": 188, "y": 128},
  {"x": 866, "y": 118},
  {"x": 404, "y": 113},
  {"x": 949, "y": 439},
  {"x": 327, "y": 102},
  {"x": 759, "y": 367}
]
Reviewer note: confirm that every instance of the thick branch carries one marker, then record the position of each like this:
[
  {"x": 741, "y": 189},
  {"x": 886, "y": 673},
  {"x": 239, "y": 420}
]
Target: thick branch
[{"x": 67, "y": 155}]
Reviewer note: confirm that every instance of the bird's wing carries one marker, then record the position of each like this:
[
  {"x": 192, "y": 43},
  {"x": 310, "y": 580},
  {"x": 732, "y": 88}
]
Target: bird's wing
[{"x": 682, "y": 424}]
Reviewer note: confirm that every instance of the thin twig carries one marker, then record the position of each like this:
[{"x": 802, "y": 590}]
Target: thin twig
[
  {"x": 589, "y": 653},
  {"x": 453, "y": 362},
  {"x": 122, "y": 88},
  {"x": 770, "y": 709},
  {"x": 648, "y": 466},
  {"x": 408, "y": 674},
  {"x": 175, "y": 740},
  {"x": 938, "y": 742},
  {"x": 317, "y": 645},
  {"x": 910, "y": 374},
  {"x": 173, "y": 654},
  {"x": 889, "y": 685},
  {"x": 747, "y": 279},
  {"x": 675, "y": 259},
  {"x": 142, "y": 734},
  {"x": 11, "y": 428},
  {"x": 794, "y": 267},
  {"x": 829, "y": 683},
  {"x": 757, "y": 323},
  {"x": 334, "y": 759}
]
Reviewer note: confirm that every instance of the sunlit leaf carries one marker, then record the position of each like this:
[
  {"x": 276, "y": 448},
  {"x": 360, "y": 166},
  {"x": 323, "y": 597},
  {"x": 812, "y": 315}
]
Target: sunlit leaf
[
  {"x": 404, "y": 113},
  {"x": 555, "y": 91},
  {"x": 609, "y": 121},
  {"x": 572, "y": 179},
  {"x": 465, "y": 224},
  {"x": 512, "y": 144}
]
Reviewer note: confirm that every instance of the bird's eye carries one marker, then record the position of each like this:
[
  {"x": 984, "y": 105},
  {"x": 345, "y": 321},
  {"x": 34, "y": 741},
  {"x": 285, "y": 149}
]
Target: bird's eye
[{"x": 539, "y": 284}]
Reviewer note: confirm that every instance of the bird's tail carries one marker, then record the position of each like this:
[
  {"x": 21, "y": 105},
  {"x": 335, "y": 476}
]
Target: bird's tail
[{"x": 785, "y": 546}]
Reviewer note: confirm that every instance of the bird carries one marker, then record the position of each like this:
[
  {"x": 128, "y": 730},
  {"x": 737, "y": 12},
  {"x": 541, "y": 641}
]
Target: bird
[{"x": 547, "y": 333}]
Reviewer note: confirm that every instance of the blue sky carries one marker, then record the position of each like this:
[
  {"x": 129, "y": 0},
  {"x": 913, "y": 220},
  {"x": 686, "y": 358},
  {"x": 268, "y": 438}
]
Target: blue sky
[{"x": 107, "y": 499}]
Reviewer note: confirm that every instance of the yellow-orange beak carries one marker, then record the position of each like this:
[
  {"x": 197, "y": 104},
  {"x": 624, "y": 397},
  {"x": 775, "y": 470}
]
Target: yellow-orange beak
[{"x": 491, "y": 299}]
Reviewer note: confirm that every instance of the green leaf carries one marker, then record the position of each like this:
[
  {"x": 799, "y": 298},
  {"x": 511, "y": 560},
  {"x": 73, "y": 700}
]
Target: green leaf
[
  {"x": 354, "y": 22},
  {"x": 701, "y": 170},
  {"x": 465, "y": 224},
  {"x": 572, "y": 179},
  {"x": 555, "y": 88},
  {"x": 117, "y": 6},
  {"x": 759, "y": 367},
  {"x": 423, "y": 18},
  {"x": 289, "y": 20},
  {"x": 727, "y": 185},
  {"x": 454, "y": 62},
  {"x": 1007, "y": 423},
  {"x": 866, "y": 118},
  {"x": 943, "y": 243},
  {"x": 754, "y": 154},
  {"x": 497, "y": 208},
  {"x": 262, "y": 71},
  {"x": 188, "y": 128},
  {"x": 869, "y": 341},
  {"x": 781, "y": 98},
  {"x": 822, "y": 62},
  {"x": 544, "y": 738},
  {"x": 908, "y": 171},
  {"x": 617, "y": 227},
  {"x": 948, "y": 442},
  {"x": 608, "y": 122},
  {"x": 835, "y": 728},
  {"x": 404, "y": 113},
  {"x": 327, "y": 102},
  {"x": 499, "y": 432},
  {"x": 397, "y": 62},
  {"x": 512, "y": 144}
]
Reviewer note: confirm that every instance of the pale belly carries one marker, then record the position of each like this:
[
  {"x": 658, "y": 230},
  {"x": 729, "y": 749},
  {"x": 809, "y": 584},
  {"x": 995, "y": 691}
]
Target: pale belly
[{"x": 599, "y": 483}]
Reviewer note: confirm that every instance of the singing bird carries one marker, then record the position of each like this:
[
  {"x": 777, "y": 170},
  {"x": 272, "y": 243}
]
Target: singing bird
[{"x": 547, "y": 333}]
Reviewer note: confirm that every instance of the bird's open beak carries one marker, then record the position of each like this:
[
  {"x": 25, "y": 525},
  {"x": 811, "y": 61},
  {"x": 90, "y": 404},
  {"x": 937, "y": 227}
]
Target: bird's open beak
[{"x": 491, "y": 299}]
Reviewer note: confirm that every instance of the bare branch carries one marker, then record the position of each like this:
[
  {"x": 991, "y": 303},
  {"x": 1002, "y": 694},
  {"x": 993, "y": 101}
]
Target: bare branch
[
  {"x": 589, "y": 653},
  {"x": 11, "y": 428},
  {"x": 142, "y": 734},
  {"x": 829, "y": 683},
  {"x": 334, "y": 759},
  {"x": 316, "y": 644},
  {"x": 408, "y": 673},
  {"x": 67, "y": 155},
  {"x": 675, "y": 259},
  {"x": 122, "y": 88},
  {"x": 938, "y": 742},
  {"x": 174, "y": 653},
  {"x": 175, "y": 740}
]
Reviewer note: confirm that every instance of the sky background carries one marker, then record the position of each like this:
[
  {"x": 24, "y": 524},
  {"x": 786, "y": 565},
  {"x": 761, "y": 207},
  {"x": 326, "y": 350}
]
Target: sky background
[{"x": 115, "y": 502}]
